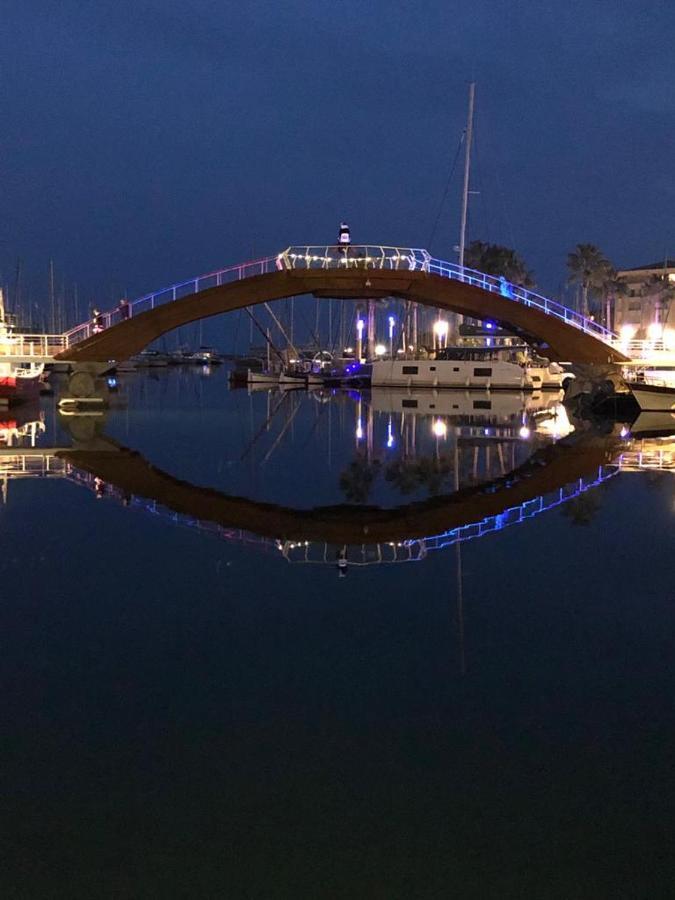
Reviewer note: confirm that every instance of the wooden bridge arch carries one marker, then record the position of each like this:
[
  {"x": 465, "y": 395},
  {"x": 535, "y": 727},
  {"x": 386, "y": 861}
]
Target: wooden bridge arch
[
  {"x": 548, "y": 469},
  {"x": 558, "y": 339}
]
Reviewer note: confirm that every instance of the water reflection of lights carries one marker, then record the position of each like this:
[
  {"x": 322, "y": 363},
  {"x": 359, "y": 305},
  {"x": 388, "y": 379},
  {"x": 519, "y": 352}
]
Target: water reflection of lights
[
  {"x": 417, "y": 549},
  {"x": 439, "y": 428},
  {"x": 13, "y": 434},
  {"x": 554, "y": 422}
]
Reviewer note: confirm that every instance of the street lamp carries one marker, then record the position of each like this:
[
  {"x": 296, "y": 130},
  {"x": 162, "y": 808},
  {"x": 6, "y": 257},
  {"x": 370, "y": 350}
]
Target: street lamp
[
  {"x": 441, "y": 331},
  {"x": 392, "y": 322},
  {"x": 439, "y": 428},
  {"x": 360, "y": 325}
]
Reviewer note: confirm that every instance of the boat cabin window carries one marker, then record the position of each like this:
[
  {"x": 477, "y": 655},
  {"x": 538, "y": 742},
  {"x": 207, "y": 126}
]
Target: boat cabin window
[
  {"x": 482, "y": 373},
  {"x": 411, "y": 370},
  {"x": 468, "y": 354}
]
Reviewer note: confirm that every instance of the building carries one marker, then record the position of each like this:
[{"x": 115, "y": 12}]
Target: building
[{"x": 645, "y": 310}]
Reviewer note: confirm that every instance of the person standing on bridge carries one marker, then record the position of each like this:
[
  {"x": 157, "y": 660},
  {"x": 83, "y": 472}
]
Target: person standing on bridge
[
  {"x": 124, "y": 309},
  {"x": 344, "y": 238},
  {"x": 97, "y": 321},
  {"x": 505, "y": 288}
]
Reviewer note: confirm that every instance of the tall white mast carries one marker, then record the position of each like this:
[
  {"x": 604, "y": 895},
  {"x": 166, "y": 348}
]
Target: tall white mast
[{"x": 467, "y": 169}]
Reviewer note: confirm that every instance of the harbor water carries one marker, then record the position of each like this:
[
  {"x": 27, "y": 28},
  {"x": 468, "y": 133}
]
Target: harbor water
[{"x": 335, "y": 644}]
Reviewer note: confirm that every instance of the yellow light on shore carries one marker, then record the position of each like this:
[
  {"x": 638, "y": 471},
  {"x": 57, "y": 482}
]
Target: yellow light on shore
[
  {"x": 655, "y": 331},
  {"x": 439, "y": 428}
]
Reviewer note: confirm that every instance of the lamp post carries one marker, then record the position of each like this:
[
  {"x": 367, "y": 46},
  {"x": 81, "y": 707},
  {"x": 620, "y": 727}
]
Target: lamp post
[
  {"x": 360, "y": 325},
  {"x": 392, "y": 322},
  {"x": 441, "y": 332}
]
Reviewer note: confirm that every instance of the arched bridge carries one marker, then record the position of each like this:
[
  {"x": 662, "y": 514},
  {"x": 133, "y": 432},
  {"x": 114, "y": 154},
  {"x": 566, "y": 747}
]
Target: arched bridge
[{"x": 357, "y": 272}]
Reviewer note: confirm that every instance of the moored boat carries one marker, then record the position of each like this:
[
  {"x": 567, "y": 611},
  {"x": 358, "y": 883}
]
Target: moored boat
[
  {"x": 472, "y": 368},
  {"x": 653, "y": 397},
  {"x": 19, "y": 381}
]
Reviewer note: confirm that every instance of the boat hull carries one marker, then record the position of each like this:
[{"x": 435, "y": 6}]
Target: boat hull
[
  {"x": 654, "y": 397},
  {"x": 262, "y": 378},
  {"x": 468, "y": 375}
]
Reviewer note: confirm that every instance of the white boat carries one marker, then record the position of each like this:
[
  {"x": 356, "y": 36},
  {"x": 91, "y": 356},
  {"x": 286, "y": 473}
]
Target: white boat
[
  {"x": 125, "y": 365},
  {"x": 19, "y": 381},
  {"x": 208, "y": 356},
  {"x": 288, "y": 379},
  {"x": 151, "y": 359},
  {"x": 653, "y": 397},
  {"x": 472, "y": 368},
  {"x": 262, "y": 377}
]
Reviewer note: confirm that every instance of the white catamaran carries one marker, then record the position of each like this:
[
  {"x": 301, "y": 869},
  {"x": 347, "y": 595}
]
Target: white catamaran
[{"x": 472, "y": 368}]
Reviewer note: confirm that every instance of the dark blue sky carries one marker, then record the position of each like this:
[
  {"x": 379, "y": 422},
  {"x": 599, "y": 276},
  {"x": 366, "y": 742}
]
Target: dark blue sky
[{"x": 147, "y": 141}]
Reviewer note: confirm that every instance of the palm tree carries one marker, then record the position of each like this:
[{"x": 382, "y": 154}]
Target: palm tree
[
  {"x": 583, "y": 509},
  {"x": 356, "y": 481},
  {"x": 613, "y": 287},
  {"x": 493, "y": 259},
  {"x": 589, "y": 268},
  {"x": 402, "y": 474}
]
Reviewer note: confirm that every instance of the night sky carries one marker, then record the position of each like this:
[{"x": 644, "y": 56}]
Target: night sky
[{"x": 149, "y": 141}]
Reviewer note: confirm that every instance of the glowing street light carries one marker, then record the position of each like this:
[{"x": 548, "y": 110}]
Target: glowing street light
[
  {"x": 441, "y": 327},
  {"x": 360, "y": 325},
  {"x": 380, "y": 349},
  {"x": 655, "y": 331},
  {"x": 392, "y": 322},
  {"x": 628, "y": 332},
  {"x": 439, "y": 428}
]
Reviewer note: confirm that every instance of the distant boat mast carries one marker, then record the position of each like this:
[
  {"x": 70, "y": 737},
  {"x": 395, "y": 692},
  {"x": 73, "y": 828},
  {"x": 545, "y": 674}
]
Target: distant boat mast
[{"x": 467, "y": 169}]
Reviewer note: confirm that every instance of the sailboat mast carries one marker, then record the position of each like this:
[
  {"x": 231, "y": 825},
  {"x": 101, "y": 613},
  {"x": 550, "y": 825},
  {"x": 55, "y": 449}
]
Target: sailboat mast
[
  {"x": 52, "y": 302},
  {"x": 467, "y": 169}
]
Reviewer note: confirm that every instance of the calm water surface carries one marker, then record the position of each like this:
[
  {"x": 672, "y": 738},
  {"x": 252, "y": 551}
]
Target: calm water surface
[{"x": 198, "y": 701}]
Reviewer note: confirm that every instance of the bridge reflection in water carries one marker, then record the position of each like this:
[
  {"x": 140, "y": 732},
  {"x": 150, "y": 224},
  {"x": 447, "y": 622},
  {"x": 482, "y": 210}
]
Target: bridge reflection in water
[{"x": 517, "y": 488}]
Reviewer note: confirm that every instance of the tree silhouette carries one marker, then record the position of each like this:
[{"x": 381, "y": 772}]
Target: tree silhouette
[
  {"x": 583, "y": 509},
  {"x": 589, "y": 268},
  {"x": 493, "y": 259},
  {"x": 356, "y": 481}
]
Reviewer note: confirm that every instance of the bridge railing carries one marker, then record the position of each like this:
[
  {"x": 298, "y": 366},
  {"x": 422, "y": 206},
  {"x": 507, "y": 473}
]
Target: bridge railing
[
  {"x": 363, "y": 256},
  {"x": 168, "y": 295},
  {"x": 499, "y": 285},
  {"x": 647, "y": 353},
  {"x": 39, "y": 346},
  {"x": 515, "y": 515},
  {"x": 662, "y": 460},
  {"x": 368, "y": 256}
]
